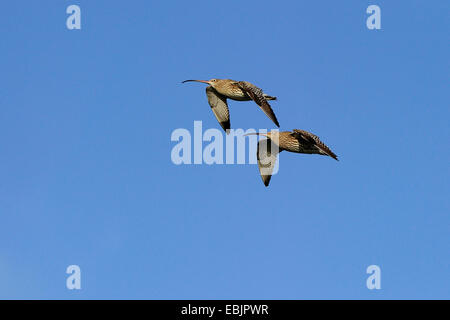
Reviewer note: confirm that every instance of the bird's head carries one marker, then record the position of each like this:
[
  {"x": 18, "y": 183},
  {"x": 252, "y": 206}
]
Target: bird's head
[{"x": 211, "y": 82}]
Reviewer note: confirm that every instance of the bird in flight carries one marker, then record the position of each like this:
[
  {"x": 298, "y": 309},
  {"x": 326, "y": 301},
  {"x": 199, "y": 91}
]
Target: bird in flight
[
  {"x": 219, "y": 90},
  {"x": 298, "y": 141}
]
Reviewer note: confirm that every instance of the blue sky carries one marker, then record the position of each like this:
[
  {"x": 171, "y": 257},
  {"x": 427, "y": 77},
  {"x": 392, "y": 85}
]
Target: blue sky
[{"x": 87, "y": 179}]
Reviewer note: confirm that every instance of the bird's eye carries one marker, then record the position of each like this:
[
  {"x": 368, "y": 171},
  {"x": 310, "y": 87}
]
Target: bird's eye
[{"x": 213, "y": 80}]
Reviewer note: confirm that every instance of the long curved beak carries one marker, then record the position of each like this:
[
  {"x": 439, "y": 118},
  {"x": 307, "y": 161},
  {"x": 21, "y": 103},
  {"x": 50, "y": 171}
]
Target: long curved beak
[
  {"x": 202, "y": 81},
  {"x": 256, "y": 134}
]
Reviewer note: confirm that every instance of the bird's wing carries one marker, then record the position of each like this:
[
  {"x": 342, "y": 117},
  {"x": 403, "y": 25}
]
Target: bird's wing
[
  {"x": 257, "y": 95},
  {"x": 266, "y": 155},
  {"x": 219, "y": 106},
  {"x": 306, "y": 137}
]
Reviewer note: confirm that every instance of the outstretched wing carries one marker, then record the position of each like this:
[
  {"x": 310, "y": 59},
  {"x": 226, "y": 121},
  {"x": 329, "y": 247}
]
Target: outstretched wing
[
  {"x": 308, "y": 139},
  {"x": 219, "y": 106},
  {"x": 266, "y": 155},
  {"x": 257, "y": 95}
]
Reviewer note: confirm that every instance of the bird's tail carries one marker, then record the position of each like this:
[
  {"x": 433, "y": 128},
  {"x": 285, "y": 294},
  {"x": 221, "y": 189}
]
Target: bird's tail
[{"x": 269, "y": 97}]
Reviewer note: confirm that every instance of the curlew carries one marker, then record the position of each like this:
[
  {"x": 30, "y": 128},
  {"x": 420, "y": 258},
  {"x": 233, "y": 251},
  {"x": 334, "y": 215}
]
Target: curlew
[
  {"x": 220, "y": 89},
  {"x": 298, "y": 141}
]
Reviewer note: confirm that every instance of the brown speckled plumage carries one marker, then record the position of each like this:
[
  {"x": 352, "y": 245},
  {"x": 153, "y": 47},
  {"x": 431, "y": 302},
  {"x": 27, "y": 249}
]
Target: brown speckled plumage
[
  {"x": 220, "y": 89},
  {"x": 297, "y": 141}
]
